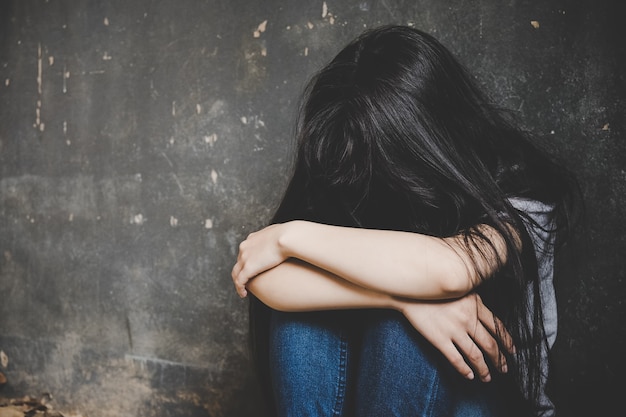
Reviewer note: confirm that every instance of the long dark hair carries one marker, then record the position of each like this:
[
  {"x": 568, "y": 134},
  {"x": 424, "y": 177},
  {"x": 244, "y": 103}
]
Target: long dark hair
[{"x": 395, "y": 134}]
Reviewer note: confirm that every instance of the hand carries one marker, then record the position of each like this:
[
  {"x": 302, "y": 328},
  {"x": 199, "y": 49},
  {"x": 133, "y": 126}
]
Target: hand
[
  {"x": 260, "y": 252},
  {"x": 464, "y": 330}
]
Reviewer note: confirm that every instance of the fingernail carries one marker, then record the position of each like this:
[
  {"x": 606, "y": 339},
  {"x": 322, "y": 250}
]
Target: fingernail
[
  {"x": 487, "y": 378},
  {"x": 470, "y": 375},
  {"x": 505, "y": 368}
]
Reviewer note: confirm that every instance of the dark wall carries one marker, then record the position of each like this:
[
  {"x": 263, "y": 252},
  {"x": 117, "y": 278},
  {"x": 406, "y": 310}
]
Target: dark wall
[{"x": 141, "y": 141}]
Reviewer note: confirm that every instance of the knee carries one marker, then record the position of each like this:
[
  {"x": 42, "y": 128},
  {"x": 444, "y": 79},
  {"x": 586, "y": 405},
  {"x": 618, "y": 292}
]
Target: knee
[{"x": 308, "y": 364}]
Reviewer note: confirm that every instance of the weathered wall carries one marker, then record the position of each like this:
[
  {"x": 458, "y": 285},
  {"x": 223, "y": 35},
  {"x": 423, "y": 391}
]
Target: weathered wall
[{"x": 141, "y": 141}]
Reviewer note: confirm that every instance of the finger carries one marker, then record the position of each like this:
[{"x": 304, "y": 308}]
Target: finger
[
  {"x": 496, "y": 327},
  {"x": 239, "y": 280},
  {"x": 475, "y": 357},
  {"x": 457, "y": 360},
  {"x": 490, "y": 347}
]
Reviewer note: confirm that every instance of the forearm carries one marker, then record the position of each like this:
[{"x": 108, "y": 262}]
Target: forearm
[
  {"x": 397, "y": 263},
  {"x": 297, "y": 286}
]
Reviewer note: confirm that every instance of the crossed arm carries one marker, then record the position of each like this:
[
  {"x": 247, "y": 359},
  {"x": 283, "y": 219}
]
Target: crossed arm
[{"x": 303, "y": 266}]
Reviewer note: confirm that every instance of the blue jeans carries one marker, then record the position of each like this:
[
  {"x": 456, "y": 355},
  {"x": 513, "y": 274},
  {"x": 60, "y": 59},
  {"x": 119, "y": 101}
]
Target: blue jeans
[{"x": 366, "y": 363}]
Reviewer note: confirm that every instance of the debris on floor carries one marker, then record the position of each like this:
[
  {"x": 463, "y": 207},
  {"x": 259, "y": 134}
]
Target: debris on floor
[{"x": 28, "y": 407}]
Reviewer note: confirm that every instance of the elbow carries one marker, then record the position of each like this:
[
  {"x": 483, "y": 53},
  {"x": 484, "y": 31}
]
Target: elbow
[
  {"x": 265, "y": 294},
  {"x": 271, "y": 295},
  {"x": 455, "y": 286},
  {"x": 457, "y": 280}
]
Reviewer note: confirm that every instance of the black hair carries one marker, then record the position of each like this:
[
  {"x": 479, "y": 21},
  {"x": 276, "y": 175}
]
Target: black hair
[{"x": 395, "y": 134}]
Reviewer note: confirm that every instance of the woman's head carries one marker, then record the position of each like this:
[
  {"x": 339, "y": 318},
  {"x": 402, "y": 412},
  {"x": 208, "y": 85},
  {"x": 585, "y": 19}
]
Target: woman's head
[
  {"x": 393, "y": 117},
  {"x": 394, "y": 133}
]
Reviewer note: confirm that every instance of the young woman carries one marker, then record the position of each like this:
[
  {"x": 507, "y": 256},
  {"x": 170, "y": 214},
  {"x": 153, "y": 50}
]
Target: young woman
[{"x": 410, "y": 261}]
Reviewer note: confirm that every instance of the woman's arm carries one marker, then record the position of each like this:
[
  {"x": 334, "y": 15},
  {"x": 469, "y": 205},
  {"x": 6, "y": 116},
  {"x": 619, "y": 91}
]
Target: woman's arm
[
  {"x": 398, "y": 263},
  {"x": 462, "y": 329}
]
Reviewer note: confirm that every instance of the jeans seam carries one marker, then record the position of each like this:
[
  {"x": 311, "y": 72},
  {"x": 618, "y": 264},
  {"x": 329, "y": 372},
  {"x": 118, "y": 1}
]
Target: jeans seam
[
  {"x": 341, "y": 383},
  {"x": 434, "y": 396}
]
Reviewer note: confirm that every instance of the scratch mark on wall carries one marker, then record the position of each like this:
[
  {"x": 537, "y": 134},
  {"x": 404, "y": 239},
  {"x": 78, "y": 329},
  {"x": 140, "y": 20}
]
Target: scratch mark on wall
[
  {"x": 208, "y": 224},
  {"x": 535, "y": 24},
  {"x": 173, "y": 108},
  {"x": 389, "y": 9},
  {"x": 214, "y": 176},
  {"x": 180, "y": 186},
  {"x": 39, "y": 68},
  {"x": 129, "y": 333},
  {"x": 7, "y": 82},
  {"x": 67, "y": 141},
  {"x": 50, "y": 60},
  {"x": 173, "y": 221},
  {"x": 198, "y": 109},
  {"x": 66, "y": 75},
  {"x": 166, "y": 158},
  {"x": 38, "y": 124},
  {"x": 106, "y": 56},
  {"x": 106, "y": 21}
]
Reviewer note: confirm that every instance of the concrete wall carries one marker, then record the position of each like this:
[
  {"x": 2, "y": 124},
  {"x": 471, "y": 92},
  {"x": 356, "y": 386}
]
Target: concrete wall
[{"x": 140, "y": 141}]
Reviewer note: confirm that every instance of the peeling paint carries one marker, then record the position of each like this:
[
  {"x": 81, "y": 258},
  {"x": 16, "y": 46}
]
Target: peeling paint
[
  {"x": 260, "y": 29},
  {"x": 211, "y": 139},
  {"x": 138, "y": 219}
]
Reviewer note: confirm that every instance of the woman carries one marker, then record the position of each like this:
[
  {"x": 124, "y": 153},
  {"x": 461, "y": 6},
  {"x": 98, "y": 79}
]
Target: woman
[{"x": 410, "y": 260}]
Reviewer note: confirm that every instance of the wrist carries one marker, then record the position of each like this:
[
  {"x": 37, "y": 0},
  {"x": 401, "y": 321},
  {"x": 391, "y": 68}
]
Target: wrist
[{"x": 288, "y": 238}]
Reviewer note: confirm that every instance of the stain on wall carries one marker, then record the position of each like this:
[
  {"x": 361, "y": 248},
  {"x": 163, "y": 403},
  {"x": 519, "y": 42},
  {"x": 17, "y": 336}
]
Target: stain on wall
[{"x": 141, "y": 141}]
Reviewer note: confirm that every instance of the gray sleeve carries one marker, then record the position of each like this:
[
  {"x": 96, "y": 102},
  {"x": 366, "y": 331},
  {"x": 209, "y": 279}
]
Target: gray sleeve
[{"x": 542, "y": 235}]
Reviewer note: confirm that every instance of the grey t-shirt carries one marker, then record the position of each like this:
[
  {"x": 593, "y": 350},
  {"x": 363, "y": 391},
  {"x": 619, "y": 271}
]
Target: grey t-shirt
[{"x": 542, "y": 235}]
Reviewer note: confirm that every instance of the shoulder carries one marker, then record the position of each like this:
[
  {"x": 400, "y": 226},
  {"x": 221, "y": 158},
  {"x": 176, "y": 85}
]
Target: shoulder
[{"x": 535, "y": 213}]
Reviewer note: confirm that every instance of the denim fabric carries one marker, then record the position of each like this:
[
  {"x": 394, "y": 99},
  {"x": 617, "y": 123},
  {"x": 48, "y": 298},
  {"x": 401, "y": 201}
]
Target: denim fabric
[{"x": 365, "y": 363}]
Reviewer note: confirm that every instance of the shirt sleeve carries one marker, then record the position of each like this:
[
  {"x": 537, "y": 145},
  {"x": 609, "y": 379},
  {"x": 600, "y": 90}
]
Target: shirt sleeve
[{"x": 542, "y": 233}]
